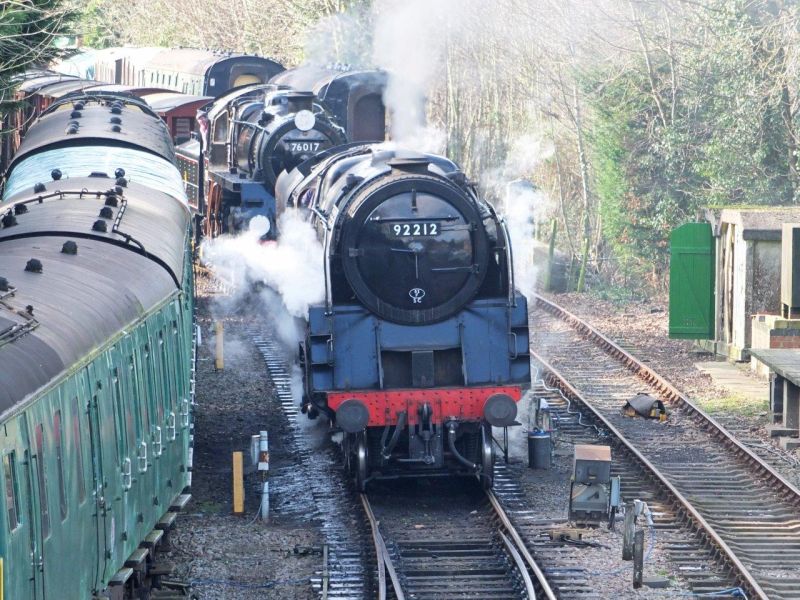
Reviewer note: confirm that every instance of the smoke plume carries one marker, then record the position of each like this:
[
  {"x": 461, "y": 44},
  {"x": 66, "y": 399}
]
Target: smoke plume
[
  {"x": 521, "y": 203},
  {"x": 285, "y": 276}
]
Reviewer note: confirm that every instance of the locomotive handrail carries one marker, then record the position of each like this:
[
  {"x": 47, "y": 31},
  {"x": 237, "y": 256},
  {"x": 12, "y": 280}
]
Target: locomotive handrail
[
  {"x": 512, "y": 299},
  {"x": 328, "y": 285}
]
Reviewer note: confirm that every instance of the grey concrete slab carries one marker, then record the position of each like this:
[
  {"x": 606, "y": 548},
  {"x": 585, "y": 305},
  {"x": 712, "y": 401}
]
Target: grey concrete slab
[{"x": 735, "y": 380}]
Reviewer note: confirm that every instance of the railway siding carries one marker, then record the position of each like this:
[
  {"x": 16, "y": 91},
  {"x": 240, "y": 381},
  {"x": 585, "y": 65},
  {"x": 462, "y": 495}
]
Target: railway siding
[{"x": 747, "y": 510}]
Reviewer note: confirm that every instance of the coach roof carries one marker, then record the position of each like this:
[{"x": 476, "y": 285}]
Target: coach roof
[{"x": 92, "y": 121}]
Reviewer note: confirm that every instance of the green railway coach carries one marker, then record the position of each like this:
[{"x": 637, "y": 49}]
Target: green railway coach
[{"x": 96, "y": 352}]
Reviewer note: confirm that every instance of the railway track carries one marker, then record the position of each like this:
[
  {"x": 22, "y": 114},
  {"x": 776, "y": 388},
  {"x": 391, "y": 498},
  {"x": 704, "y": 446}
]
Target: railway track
[
  {"x": 566, "y": 567},
  {"x": 469, "y": 548},
  {"x": 745, "y": 512},
  {"x": 449, "y": 540}
]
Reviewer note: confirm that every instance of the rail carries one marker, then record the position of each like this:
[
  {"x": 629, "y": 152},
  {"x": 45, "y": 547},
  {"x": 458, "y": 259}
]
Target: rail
[
  {"x": 790, "y": 491},
  {"x": 384, "y": 561},
  {"x": 784, "y": 488},
  {"x": 518, "y": 551}
]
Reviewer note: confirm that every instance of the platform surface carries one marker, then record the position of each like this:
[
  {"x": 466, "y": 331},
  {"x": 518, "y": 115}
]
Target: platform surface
[{"x": 735, "y": 380}]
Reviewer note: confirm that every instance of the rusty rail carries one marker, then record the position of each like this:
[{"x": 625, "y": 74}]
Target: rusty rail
[
  {"x": 787, "y": 490},
  {"x": 516, "y": 547}
]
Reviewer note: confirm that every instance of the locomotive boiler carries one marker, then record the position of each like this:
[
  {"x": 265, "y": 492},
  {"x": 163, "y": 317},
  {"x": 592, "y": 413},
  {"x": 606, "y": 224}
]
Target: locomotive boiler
[
  {"x": 248, "y": 137},
  {"x": 421, "y": 345}
]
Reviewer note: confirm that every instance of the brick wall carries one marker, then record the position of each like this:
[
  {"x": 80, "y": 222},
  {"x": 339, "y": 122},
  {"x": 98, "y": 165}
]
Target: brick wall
[{"x": 784, "y": 338}]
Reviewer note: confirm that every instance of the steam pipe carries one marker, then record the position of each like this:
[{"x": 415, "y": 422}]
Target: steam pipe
[
  {"x": 386, "y": 452},
  {"x": 452, "y": 426}
]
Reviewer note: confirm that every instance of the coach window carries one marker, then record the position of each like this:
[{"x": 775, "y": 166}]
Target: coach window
[
  {"x": 12, "y": 494},
  {"x": 43, "y": 505},
  {"x": 62, "y": 492},
  {"x": 76, "y": 434}
]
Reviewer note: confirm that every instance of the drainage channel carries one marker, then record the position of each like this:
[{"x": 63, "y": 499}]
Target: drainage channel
[{"x": 739, "y": 505}]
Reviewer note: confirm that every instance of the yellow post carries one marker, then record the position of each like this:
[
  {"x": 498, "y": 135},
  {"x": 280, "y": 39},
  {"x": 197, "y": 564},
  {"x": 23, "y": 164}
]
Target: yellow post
[
  {"x": 220, "y": 333},
  {"x": 238, "y": 484}
]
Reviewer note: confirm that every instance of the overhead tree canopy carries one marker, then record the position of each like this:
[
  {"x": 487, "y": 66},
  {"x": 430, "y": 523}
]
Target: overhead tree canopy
[
  {"x": 629, "y": 115},
  {"x": 28, "y": 30}
]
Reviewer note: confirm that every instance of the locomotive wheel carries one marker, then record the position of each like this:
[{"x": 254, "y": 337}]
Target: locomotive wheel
[
  {"x": 347, "y": 454},
  {"x": 487, "y": 457},
  {"x": 360, "y": 462}
]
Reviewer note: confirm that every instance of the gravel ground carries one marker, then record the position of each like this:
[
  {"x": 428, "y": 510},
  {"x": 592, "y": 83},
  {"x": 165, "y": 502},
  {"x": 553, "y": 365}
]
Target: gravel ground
[
  {"x": 231, "y": 557},
  {"x": 603, "y": 564}
]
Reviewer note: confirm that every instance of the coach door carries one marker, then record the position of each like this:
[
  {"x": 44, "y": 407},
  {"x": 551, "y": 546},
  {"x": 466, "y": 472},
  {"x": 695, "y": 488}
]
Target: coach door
[
  {"x": 102, "y": 499},
  {"x": 22, "y": 559}
]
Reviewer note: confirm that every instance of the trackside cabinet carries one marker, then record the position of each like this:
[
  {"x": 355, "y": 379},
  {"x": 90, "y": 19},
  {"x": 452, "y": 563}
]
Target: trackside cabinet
[{"x": 691, "y": 282}]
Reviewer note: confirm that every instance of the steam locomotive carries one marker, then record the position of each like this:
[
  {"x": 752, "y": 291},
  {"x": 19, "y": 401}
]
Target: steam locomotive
[
  {"x": 252, "y": 134},
  {"x": 421, "y": 345}
]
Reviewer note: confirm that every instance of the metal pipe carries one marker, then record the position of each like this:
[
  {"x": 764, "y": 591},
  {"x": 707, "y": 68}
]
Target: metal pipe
[
  {"x": 386, "y": 452},
  {"x": 451, "y": 442}
]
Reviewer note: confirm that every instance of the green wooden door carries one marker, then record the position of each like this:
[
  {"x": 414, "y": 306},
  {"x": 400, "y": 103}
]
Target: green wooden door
[{"x": 691, "y": 282}]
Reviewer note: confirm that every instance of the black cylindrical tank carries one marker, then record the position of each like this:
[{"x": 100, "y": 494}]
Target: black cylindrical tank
[{"x": 539, "y": 449}]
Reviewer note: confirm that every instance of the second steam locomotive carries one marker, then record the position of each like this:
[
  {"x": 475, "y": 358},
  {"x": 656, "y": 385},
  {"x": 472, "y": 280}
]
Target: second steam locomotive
[{"x": 420, "y": 347}]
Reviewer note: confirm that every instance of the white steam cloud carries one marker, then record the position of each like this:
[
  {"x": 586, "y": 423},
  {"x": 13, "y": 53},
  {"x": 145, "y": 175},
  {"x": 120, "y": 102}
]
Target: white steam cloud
[
  {"x": 291, "y": 269},
  {"x": 410, "y": 42},
  {"x": 521, "y": 204}
]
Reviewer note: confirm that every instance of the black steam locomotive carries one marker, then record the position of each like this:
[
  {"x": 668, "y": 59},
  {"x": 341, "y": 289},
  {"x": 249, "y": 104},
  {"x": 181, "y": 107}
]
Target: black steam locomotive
[
  {"x": 252, "y": 134},
  {"x": 421, "y": 344}
]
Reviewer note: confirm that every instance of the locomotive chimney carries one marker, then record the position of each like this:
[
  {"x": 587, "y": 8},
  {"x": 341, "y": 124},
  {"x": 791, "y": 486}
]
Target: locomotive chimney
[{"x": 300, "y": 101}]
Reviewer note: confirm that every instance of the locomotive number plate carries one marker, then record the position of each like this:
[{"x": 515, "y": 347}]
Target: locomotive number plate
[
  {"x": 416, "y": 229},
  {"x": 299, "y": 146}
]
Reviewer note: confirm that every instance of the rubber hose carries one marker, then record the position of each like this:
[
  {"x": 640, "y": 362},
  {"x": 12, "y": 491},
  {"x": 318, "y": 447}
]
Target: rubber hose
[
  {"x": 386, "y": 452},
  {"x": 451, "y": 441}
]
